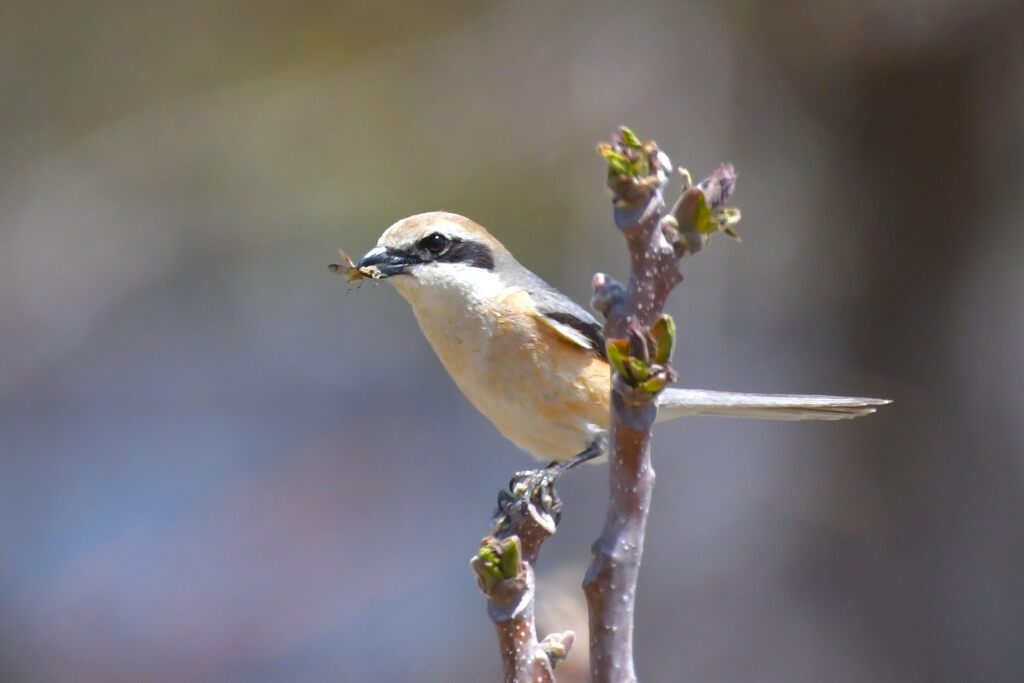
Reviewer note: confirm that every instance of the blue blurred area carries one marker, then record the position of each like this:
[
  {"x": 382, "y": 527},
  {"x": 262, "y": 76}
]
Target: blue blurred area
[{"x": 220, "y": 463}]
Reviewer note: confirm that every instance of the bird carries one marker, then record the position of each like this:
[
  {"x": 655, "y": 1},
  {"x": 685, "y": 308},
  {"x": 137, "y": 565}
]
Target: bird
[{"x": 525, "y": 355}]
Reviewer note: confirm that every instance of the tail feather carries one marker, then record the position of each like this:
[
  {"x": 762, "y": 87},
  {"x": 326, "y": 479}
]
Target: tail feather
[{"x": 674, "y": 403}]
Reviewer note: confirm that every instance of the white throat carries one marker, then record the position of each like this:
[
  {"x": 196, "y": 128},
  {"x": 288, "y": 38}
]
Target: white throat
[{"x": 452, "y": 303}]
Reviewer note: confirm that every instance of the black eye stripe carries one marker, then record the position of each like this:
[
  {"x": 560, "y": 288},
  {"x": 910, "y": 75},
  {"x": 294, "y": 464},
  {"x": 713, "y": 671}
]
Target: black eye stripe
[
  {"x": 471, "y": 253},
  {"x": 459, "y": 251}
]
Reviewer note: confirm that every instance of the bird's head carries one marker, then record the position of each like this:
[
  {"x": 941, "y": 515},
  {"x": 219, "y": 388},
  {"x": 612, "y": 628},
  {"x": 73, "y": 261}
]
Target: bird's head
[{"x": 431, "y": 251}]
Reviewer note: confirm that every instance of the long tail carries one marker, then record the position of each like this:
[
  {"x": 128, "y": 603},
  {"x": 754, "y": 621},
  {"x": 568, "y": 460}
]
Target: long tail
[{"x": 674, "y": 403}]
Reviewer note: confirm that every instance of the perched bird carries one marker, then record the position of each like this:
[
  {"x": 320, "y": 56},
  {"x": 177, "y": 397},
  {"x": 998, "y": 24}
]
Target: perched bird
[{"x": 532, "y": 361}]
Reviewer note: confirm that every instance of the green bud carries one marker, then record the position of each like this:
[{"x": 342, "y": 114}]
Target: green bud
[
  {"x": 618, "y": 163},
  {"x": 629, "y": 138},
  {"x": 701, "y": 221},
  {"x": 510, "y": 557},
  {"x": 725, "y": 219},
  {"x": 638, "y": 371},
  {"x": 618, "y": 351},
  {"x": 664, "y": 334},
  {"x": 654, "y": 384},
  {"x": 496, "y": 561}
]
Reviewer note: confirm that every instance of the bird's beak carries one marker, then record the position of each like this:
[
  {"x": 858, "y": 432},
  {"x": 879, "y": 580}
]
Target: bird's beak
[{"x": 381, "y": 262}]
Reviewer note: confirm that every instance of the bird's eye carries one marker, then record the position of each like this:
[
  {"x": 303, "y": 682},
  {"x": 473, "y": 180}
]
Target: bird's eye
[{"x": 434, "y": 243}]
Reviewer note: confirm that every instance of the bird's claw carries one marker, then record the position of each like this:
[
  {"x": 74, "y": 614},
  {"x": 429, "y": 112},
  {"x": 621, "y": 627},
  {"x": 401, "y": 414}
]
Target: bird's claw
[{"x": 531, "y": 495}]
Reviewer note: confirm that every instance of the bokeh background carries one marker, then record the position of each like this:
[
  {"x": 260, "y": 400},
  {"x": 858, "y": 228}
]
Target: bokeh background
[{"x": 216, "y": 464}]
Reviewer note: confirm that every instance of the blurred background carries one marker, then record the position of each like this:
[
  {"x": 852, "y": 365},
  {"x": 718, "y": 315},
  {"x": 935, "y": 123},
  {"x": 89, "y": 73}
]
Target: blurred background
[{"x": 218, "y": 464}]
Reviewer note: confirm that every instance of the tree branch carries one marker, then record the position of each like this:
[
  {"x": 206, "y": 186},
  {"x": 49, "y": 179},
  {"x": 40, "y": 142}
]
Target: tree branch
[
  {"x": 527, "y": 515},
  {"x": 640, "y": 341}
]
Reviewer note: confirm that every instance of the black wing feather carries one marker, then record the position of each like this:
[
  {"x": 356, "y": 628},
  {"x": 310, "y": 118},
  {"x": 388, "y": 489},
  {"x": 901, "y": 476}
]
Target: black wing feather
[
  {"x": 590, "y": 329},
  {"x": 559, "y": 308}
]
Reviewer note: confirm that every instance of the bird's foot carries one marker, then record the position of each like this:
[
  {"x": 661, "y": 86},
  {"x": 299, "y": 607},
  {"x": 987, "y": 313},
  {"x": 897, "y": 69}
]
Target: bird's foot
[
  {"x": 531, "y": 498},
  {"x": 595, "y": 450}
]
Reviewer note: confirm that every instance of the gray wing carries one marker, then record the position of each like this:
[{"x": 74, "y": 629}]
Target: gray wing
[{"x": 572, "y": 319}]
